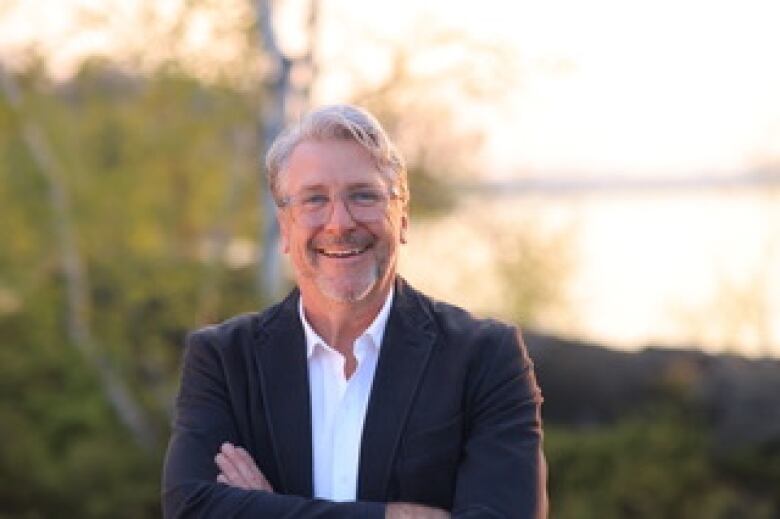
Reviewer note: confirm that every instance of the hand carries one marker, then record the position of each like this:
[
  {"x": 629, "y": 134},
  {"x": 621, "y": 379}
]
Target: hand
[
  {"x": 410, "y": 511},
  {"x": 238, "y": 469}
]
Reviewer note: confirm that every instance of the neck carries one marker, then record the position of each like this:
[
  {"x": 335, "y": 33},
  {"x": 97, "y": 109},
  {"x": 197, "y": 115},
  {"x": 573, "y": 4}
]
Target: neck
[{"x": 340, "y": 324}]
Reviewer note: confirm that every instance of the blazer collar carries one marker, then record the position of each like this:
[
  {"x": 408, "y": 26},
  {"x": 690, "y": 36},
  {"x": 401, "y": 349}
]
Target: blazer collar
[
  {"x": 406, "y": 347},
  {"x": 284, "y": 383}
]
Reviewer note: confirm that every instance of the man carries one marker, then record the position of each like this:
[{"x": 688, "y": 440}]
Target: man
[{"x": 356, "y": 396}]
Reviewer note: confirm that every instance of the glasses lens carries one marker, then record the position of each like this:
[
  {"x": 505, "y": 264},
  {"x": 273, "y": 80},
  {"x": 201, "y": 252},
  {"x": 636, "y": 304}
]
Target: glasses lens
[{"x": 364, "y": 205}]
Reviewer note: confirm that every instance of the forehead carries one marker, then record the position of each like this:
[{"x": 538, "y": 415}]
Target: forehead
[{"x": 328, "y": 163}]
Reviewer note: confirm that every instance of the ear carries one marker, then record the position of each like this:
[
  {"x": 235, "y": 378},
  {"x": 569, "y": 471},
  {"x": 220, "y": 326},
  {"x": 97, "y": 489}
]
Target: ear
[{"x": 404, "y": 228}]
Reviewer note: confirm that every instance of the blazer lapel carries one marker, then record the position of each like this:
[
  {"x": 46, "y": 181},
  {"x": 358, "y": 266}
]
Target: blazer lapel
[
  {"x": 284, "y": 380},
  {"x": 406, "y": 348}
]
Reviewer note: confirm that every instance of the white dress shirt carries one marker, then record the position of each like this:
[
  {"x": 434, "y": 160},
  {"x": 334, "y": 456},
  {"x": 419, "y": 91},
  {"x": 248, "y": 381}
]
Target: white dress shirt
[{"x": 338, "y": 406}]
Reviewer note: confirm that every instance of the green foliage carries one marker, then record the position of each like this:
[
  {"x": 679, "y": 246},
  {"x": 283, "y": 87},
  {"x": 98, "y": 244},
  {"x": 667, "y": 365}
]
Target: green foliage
[
  {"x": 430, "y": 196},
  {"x": 159, "y": 174},
  {"x": 658, "y": 465},
  {"x": 63, "y": 454},
  {"x": 533, "y": 268}
]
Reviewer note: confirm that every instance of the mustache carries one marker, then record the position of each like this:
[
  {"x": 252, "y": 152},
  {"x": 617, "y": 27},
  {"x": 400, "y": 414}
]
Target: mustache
[{"x": 351, "y": 239}]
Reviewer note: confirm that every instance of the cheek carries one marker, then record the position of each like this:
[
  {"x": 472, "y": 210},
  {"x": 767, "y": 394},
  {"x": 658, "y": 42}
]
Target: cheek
[
  {"x": 298, "y": 243},
  {"x": 284, "y": 234}
]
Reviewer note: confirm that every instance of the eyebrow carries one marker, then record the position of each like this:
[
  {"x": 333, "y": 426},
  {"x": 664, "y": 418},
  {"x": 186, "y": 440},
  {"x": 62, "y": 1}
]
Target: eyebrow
[{"x": 357, "y": 185}]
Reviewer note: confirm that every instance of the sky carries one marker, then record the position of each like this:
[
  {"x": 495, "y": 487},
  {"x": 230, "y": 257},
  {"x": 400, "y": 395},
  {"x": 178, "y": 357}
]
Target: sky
[
  {"x": 612, "y": 87},
  {"x": 616, "y": 87}
]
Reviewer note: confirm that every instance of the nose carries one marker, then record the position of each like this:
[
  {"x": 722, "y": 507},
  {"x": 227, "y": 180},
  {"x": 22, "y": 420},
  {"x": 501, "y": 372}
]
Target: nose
[{"x": 340, "y": 218}]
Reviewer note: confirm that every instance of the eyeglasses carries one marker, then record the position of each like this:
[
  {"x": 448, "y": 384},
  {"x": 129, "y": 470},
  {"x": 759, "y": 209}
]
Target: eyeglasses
[{"x": 364, "y": 204}]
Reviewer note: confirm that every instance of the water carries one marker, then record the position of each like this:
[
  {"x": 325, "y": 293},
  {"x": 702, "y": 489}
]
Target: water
[{"x": 677, "y": 268}]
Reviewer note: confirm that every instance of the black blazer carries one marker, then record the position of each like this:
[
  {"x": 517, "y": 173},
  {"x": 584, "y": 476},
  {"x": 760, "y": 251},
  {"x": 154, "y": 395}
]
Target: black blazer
[{"x": 453, "y": 419}]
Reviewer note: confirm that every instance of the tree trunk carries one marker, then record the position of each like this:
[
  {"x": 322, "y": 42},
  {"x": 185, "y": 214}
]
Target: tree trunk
[{"x": 282, "y": 97}]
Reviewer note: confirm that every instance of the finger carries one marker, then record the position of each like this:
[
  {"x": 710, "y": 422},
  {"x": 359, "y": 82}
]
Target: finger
[
  {"x": 255, "y": 475},
  {"x": 230, "y": 473},
  {"x": 241, "y": 465},
  {"x": 221, "y": 478},
  {"x": 228, "y": 467},
  {"x": 250, "y": 475},
  {"x": 240, "y": 469},
  {"x": 248, "y": 468}
]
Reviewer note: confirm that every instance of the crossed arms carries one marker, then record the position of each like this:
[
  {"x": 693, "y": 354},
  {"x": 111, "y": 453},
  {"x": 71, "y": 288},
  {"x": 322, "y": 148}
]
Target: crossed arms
[
  {"x": 206, "y": 475},
  {"x": 239, "y": 470}
]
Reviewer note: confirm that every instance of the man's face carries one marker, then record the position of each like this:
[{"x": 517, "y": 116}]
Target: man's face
[{"x": 342, "y": 258}]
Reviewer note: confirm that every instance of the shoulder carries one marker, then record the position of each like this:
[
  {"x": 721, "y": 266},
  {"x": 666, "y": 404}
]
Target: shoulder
[
  {"x": 236, "y": 332},
  {"x": 491, "y": 351},
  {"x": 453, "y": 320},
  {"x": 225, "y": 332},
  {"x": 460, "y": 329}
]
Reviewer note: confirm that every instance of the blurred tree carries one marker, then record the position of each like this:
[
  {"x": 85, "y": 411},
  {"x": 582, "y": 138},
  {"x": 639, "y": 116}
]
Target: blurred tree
[
  {"x": 285, "y": 99},
  {"x": 659, "y": 464},
  {"x": 155, "y": 168},
  {"x": 435, "y": 74},
  {"x": 78, "y": 307},
  {"x": 533, "y": 268}
]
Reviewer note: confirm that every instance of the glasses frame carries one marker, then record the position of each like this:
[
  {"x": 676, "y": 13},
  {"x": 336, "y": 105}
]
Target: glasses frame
[{"x": 391, "y": 192}]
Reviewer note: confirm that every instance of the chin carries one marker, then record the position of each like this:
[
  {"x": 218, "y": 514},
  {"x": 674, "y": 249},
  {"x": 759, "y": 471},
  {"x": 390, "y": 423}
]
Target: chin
[
  {"x": 348, "y": 291},
  {"x": 345, "y": 294}
]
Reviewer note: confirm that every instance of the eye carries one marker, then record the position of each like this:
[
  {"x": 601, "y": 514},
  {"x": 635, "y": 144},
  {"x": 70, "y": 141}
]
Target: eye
[
  {"x": 314, "y": 201},
  {"x": 365, "y": 197}
]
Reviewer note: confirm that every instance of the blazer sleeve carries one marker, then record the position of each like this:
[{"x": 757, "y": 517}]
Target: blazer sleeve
[
  {"x": 503, "y": 472},
  {"x": 203, "y": 420}
]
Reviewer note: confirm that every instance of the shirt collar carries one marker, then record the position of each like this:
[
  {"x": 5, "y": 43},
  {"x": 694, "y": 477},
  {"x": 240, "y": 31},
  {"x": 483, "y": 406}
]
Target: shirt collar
[{"x": 376, "y": 330}]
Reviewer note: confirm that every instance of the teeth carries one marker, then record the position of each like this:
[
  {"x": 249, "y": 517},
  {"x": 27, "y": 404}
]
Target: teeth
[{"x": 342, "y": 253}]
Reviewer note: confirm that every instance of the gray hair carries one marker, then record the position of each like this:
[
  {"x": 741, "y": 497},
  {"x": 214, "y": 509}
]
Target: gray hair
[{"x": 344, "y": 122}]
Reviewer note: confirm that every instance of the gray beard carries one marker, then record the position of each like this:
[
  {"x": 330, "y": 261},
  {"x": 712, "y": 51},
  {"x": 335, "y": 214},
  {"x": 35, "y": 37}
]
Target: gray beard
[{"x": 357, "y": 292}]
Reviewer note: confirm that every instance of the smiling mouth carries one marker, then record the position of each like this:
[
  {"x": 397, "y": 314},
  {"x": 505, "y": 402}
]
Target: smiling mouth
[{"x": 343, "y": 253}]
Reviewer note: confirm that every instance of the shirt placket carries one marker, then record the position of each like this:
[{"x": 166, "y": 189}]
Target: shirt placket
[{"x": 347, "y": 429}]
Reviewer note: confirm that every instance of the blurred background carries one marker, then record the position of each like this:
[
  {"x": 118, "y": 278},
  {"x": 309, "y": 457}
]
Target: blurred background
[{"x": 606, "y": 174}]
